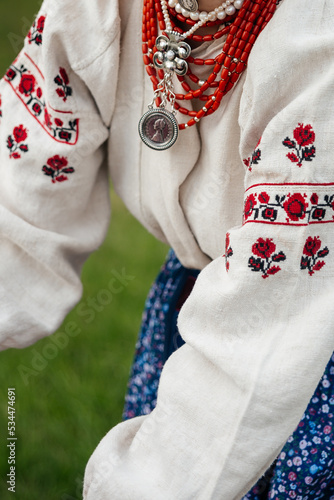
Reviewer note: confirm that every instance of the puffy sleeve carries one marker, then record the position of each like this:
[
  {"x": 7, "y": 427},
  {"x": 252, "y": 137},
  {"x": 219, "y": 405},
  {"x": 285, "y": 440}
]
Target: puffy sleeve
[
  {"x": 57, "y": 100},
  {"x": 259, "y": 323}
]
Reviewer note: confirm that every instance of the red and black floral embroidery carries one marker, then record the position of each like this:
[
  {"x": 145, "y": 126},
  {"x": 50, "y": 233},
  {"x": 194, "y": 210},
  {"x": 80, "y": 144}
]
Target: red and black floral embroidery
[
  {"x": 295, "y": 206},
  {"x": 29, "y": 88},
  {"x": 249, "y": 206},
  {"x": 264, "y": 258},
  {"x": 302, "y": 144},
  {"x": 56, "y": 167},
  {"x": 62, "y": 80},
  {"x": 35, "y": 34},
  {"x": 15, "y": 142},
  {"x": 292, "y": 208},
  {"x": 228, "y": 252},
  {"x": 58, "y": 128},
  {"x": 312, "y": 254},
  {"x": 255, "y": 158}
]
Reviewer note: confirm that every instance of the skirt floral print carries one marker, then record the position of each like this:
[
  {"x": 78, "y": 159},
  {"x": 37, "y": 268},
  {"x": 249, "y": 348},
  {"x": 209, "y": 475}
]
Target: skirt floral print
[{"x": 304, "y": 470}]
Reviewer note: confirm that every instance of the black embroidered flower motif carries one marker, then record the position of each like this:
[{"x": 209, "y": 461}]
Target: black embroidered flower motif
[
  {"x": 64, "y": 91},
  {"x": 312, "y": 254},
  {"x": 304, "y": 149},
  {"x": 0, "y": 106},
  {"x": 264, "y": 257},
  {"x": 15, "y": 142},
  {"x": 35, "y": 34},
  {"x": 255, "y": 158},
  {"x": 56, "y": 167},
  {"x": 228, "y": 252}
]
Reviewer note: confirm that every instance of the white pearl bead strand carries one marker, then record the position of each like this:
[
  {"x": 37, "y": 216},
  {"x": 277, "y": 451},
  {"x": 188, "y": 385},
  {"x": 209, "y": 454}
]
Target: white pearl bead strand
[{"x": 227, "y": 8}]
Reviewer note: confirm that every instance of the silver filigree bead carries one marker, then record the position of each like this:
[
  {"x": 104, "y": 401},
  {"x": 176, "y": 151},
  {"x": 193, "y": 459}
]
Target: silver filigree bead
[{"x": 171, "y": 54}]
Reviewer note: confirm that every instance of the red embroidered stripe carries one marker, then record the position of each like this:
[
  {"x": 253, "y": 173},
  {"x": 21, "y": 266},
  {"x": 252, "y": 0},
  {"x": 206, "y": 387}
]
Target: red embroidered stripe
[
  {"x": 289, "y": 204},
  {"x": 290, "y": 184}
]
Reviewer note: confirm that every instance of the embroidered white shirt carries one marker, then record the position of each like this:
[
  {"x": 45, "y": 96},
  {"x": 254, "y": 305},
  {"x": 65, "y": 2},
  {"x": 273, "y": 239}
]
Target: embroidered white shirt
[{"x": 254, "y": 182}]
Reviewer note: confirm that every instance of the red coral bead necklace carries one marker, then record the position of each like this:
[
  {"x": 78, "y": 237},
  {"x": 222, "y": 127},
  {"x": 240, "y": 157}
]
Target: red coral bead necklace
[{"x": 168, "y": 54}]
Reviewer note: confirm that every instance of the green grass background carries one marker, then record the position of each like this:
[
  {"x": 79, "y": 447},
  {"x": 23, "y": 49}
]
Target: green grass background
[{"x": 67, "y": 406}]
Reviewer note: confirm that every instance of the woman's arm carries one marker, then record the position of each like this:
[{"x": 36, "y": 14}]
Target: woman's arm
[{"x": 57, "y": 100}]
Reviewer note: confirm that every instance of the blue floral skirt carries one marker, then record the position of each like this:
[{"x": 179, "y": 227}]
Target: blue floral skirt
[{"x": 304, "y": 470}]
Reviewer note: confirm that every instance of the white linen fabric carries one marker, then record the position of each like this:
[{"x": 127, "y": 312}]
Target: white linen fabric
[{"x": 255, "y": 181}]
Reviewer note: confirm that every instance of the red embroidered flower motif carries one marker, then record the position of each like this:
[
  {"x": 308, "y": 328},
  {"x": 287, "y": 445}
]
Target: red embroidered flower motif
[
  {"x": 264, "y": 197},
  {"x": 62, "y": 80},
  {"x": 311, "y": 246},
  {"x": 295, "y": 207},
  {"x": 40, "y": 24},
  {"x": 314, "y": 199},
  {"x": 10, "y": 74},
  {"x": 304, "y": 137},
  {"x": 64, "y": 135},
  {"x": 255, "y": 158},
  {"x": 228, "y": 251},
  {"x": 14, "y": 142},
  {"x": 37, "y": 109},
  {"x": 250, "y": 203},
  {"x": 35, "y": 33},
  {"x": 27, "y": 84},
  {"x": 312, "y": 254},
  {"x": 47, "y": 118},
  {"x": 20, "y": 133},
  {"x": 264, "y": 249},
  {"x": 56, "y": 167}
]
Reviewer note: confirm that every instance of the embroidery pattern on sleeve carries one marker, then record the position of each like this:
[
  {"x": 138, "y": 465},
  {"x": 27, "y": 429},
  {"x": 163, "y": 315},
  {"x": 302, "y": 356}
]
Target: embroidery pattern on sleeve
[
  {"x": 302, "y": 144},
  {"x": 255, "y": 158},
  {"x": 56, "y": 167},
  {"x": 64, "y": 90},
  {"x": 27, "y": 81},
  {"x": 264, "y": 257},
  {"x": 249, "y": 206},
  {"x": 312, "y": 254},
  {"x": 14, "y": 142},
  {"x": 228, "y": 252},
  {"x": 35, "y": 34},
  {"x": 277, "y": 205},
  {"x": 0, "y": 106}
]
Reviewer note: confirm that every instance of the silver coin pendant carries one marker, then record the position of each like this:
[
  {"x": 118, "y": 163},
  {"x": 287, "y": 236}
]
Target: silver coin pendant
[{"x": 158, "y": 129}]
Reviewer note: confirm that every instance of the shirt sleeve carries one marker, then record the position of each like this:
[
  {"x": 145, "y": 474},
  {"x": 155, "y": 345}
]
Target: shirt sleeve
[
  {"x": 57, "y": 99},
  {"x": 259, "y": 322}
]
